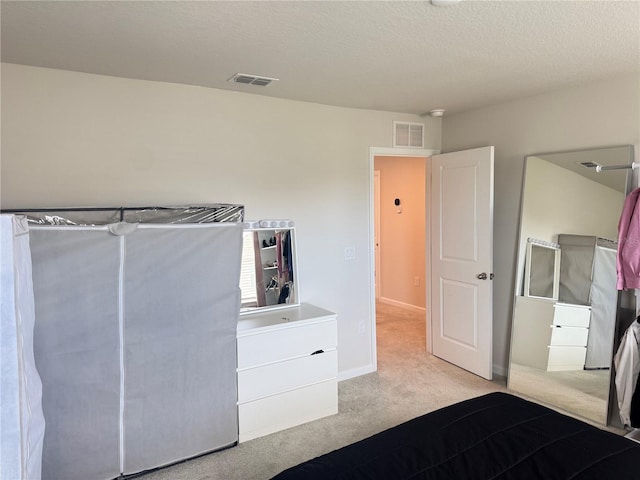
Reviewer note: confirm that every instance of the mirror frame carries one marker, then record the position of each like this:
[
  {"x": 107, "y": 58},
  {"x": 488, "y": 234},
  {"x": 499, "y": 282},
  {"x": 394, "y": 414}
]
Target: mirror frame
[{"x": 624, "y": 298}]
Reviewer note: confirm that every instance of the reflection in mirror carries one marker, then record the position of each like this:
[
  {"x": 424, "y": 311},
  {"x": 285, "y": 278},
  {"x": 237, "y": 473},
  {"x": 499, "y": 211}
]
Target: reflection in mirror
[
  {"x": 565, "y": 305},
  {"x": 268, "y": 275},
  {"x": 542, "y": 269}
]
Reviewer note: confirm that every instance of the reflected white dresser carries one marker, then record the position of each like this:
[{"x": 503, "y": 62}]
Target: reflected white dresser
[
  {"x": 550, "y": 335},
  {"x": 287, "y": 369}
]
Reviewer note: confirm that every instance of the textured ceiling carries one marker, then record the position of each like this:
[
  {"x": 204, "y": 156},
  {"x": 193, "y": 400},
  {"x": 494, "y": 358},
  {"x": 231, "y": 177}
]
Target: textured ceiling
[{"x": 395, "y": 56}]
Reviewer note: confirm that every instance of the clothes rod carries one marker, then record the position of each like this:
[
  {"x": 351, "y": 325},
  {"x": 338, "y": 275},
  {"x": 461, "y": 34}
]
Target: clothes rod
[{"x": 632, "y": 166}]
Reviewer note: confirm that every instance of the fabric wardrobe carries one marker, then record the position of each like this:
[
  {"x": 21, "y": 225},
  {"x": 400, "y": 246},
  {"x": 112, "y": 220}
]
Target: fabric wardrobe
[
  {"x": 588, "y": 277},
  {"x": 135, "y": 342},
  {"x": 21, "y": 419}
]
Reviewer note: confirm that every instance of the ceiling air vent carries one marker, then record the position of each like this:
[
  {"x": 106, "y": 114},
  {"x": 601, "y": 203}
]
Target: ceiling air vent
[
  {"x": 406, "y": 134},
  {"x": 590, "y": 164},
  {"x": 252, "y": 79}
]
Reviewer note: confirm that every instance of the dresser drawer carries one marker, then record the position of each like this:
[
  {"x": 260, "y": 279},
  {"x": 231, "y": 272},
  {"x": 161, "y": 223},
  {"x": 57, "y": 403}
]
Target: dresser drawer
[
  {"x": 286, "y": 410},
  {"x": 259, "y": 382},
  {"x": 571, "y": 315},
  {"x": 291, "y": 341},
  {"x": 569, "y": 336},
  {"x": 566, "y": 358}
]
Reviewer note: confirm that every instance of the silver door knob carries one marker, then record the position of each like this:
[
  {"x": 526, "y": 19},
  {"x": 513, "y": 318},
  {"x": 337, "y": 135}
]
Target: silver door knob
[{"x": 482, "y": 276}]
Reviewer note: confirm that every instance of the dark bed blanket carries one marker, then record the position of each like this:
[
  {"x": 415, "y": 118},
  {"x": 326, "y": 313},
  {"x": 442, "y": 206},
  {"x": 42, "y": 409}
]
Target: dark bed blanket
[{"x": 496, "y": 436}]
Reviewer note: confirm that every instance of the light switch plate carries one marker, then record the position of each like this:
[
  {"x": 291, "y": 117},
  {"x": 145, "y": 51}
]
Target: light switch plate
[{"x": 349, "y": 253}]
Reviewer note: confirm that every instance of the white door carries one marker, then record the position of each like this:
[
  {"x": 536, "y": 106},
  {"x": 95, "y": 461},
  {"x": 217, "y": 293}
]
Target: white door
[{"x": 461, "y": 258}]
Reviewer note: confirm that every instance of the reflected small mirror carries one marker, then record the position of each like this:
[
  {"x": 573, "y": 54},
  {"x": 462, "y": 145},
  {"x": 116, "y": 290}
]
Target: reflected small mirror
[
  {"x": 542, "y": 269},
  {"x": 268, "y": 276},
  {"x": 565, "y": 304}
]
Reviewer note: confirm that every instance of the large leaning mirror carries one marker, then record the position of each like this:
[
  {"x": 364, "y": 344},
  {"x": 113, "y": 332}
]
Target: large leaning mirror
[
  {"x": 564, "y": 312},
  {"x": 268, "y": 276}
]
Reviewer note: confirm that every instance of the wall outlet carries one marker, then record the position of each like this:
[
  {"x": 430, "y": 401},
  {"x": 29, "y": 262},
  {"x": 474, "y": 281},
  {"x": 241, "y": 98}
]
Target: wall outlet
[
  {"x": 361, "y": 327},
  {"x": 349, "y": 253},
  {"x": 416, "y": 281}
]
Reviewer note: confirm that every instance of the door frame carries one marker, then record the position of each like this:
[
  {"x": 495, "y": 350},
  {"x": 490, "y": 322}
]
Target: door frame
[
  {"x": 376, "y": 230},
  {"x": 398, "y": 152}
]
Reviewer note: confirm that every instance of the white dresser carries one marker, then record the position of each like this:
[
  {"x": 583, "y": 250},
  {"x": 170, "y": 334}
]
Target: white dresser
[
  {"x": 550, "y": 335},
  {"x": 287, "y": 369}
]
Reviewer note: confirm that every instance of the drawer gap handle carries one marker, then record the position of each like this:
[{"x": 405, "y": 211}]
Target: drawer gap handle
[{"x": 317, "y": 352}]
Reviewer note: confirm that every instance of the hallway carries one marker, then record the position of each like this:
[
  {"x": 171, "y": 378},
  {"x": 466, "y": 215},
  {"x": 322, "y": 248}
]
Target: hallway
[
  {"x": 416, "y": 380},
  {"x": 399, "y": 330}
]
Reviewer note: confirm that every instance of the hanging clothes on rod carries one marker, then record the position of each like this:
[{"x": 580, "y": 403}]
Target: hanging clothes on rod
[
  {"x": 628, "y": 259},
  {"x": 627, "y": 363}
]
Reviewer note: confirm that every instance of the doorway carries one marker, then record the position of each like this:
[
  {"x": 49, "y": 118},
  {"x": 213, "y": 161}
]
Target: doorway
[
  {"x": 459, "y": 319},
  {"x": 400, "y": 242}
]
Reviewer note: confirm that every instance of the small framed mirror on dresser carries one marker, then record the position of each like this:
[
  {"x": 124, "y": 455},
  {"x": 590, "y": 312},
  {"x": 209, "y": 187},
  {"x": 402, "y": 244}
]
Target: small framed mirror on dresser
[{"x": 268, "y": 276}]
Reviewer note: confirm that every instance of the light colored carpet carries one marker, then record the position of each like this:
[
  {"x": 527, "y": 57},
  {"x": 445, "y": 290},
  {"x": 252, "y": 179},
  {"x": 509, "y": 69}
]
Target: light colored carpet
[
  {"x": 583, "y": 392},
  {"x": 408, "y": 383}
]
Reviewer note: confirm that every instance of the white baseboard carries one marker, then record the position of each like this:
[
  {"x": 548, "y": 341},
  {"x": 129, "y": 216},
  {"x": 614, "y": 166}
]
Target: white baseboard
[
  {"x": 498, "y": 370},
  {"x": 408, "y": 306},
  {"x": 356, "y": 372}
]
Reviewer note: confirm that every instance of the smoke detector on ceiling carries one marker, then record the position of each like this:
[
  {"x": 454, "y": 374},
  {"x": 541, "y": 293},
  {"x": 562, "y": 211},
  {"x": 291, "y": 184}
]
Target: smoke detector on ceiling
[
  {"x": 438, "y": 112},
  {"x": 252, "y": 79}
]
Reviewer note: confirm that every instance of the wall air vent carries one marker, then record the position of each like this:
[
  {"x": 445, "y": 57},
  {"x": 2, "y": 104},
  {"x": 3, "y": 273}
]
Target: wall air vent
[
  {"x": 406, "y": 134},
  {"x": 252, "y": 79},
  {"x": 590, "y": 164}
]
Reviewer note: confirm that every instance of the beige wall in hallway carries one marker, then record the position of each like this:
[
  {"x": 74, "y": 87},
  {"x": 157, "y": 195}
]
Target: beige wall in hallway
[{"x": 402, "y": 235}]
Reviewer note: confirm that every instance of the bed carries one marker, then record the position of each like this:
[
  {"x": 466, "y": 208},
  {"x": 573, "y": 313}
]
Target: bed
[{"x": 495, "y": 436}]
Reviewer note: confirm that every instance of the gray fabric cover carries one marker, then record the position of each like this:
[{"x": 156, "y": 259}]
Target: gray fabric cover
[
  {"x": 21, "y": 418},
  {"x": 604, "y": 299},
  {"x": 164, "y": 299},
  {"x": 75, "y": 280},
  {"x": 181, "y": 311},
  {"x": 576, "y": 268},
  {"x": 588, "y": 277}
]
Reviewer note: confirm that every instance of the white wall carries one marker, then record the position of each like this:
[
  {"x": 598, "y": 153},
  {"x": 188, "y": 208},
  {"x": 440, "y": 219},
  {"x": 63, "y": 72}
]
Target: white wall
[
  {"x": 598, "y": 114},
  {"x": 74, "y": 139}
]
